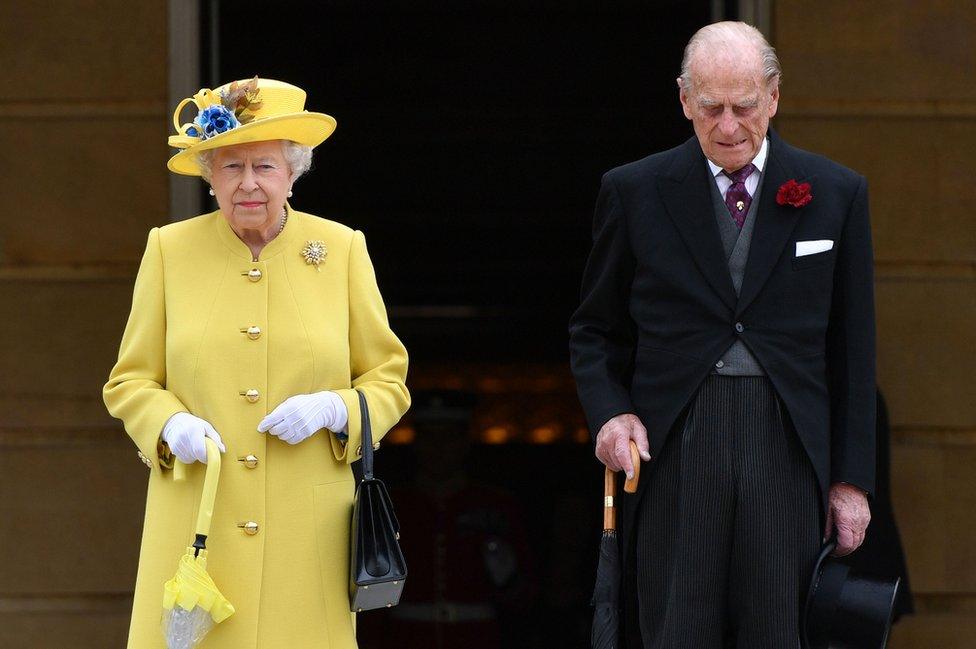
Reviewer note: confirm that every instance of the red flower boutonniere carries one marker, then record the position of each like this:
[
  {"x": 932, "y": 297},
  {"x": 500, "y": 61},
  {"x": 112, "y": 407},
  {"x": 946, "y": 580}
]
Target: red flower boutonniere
[{"x": 794, "y": 194}]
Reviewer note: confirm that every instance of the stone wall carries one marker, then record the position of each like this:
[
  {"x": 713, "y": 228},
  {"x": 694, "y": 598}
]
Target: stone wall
[{"x": 83, "y": 113}]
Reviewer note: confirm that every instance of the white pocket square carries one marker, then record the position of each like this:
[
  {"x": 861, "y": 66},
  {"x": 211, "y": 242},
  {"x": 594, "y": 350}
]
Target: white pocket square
[{"x": 804, "y": 248}]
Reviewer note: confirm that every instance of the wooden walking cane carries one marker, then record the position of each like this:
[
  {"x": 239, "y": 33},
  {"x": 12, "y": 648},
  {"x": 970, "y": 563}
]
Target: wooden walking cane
[
  {"x": 610, "y": 489},
  {"x": 605, "y": 632}
]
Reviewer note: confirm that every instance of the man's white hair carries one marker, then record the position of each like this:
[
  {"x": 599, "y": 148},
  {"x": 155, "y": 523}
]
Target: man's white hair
[
  {"x": 726, "y": 40},
  {"x": 298, "y": 157}
]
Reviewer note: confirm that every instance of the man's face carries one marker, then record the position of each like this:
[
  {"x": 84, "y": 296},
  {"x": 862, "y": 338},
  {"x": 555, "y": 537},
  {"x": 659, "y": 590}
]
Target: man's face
[{"x": 730, "y": 106}]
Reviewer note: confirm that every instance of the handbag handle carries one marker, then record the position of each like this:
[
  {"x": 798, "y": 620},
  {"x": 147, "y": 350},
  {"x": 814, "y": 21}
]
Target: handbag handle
[{"x": 367, "y": 434}]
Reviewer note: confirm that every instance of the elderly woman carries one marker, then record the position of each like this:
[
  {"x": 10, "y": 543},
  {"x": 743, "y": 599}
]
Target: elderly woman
[{"x": 255, "y": 325}]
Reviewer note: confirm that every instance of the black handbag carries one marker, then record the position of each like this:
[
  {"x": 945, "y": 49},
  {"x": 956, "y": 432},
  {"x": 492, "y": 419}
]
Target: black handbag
[{"x": 377, "y": 568}]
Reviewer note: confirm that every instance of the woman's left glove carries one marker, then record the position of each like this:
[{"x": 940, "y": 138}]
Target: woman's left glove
[{"x": 301, "y": 416}]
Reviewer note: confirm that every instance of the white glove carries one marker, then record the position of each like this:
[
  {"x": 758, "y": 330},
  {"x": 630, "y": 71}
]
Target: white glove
[
  {"x": 184, "y": 434},
  {"x": 301, "y": 416}
]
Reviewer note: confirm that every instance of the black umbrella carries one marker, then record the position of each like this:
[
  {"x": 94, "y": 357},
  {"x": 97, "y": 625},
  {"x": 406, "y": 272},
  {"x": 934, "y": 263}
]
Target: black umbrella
[{"x": 606, "y": 593}]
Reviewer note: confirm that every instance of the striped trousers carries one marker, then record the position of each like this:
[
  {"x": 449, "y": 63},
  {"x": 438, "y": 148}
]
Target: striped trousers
[{"x": 729, "y": 526}]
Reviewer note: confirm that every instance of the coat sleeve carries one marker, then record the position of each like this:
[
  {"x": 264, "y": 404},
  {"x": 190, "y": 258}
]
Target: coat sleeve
[
  {"x": 378, "y": 360},
  {"x": 601, "y": 332},
  {"x": 851, "y": 352},
  {"x": 136, "y": 390}
]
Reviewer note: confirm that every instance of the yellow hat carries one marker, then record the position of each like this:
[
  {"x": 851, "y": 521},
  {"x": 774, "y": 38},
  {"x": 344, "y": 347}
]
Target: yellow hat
[{"x": 250, "y": 110}]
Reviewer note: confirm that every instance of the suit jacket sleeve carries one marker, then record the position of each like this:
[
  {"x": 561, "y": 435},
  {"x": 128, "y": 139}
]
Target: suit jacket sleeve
[
  {"x": 602, "y": 334},
  {"x": 378, "y": 360},
  {"x": 851, "y": 352},
  {"x": 136, "y": 390}
]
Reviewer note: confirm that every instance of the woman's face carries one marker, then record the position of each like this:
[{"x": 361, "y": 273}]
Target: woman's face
[{"x": 251, "y": 182}]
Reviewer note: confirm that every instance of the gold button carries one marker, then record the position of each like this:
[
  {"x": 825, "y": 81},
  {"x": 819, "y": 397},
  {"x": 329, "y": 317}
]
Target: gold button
[
  {"x": 253, "y": 332},
  {"x": 251, "y": 395},
  {"x": 250, "y": 528},
  {"x": 254, "y": 274},
  {"x": 250, "y": 461}
]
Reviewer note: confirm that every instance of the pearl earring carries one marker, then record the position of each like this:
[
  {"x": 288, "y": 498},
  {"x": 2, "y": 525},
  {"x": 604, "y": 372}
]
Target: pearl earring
[
  {"x": 289, "y": 193},
  {"x": 212, "y": 192}
]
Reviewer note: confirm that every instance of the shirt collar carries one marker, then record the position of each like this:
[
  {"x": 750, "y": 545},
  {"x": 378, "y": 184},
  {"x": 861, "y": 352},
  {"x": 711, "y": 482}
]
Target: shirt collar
[{"x": 759, "y": 160}]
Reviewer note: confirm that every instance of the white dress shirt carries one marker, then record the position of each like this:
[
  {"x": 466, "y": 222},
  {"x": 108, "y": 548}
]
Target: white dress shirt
[{"x": 752, "y": 182}]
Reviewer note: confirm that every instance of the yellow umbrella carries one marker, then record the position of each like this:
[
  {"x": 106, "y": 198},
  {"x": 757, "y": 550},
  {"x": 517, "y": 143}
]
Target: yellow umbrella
[{"x": 192, "y": 605}]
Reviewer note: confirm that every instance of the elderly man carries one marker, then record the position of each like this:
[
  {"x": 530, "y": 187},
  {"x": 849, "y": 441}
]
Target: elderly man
[{"x": 726, "y": 326}]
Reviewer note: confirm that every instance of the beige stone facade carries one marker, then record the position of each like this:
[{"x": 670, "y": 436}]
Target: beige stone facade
[{"x": 887, "y": 88}]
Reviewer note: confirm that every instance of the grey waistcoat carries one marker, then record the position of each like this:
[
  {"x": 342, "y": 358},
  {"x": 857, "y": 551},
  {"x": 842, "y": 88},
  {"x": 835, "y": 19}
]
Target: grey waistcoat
[{"x": 737, "y": 360}]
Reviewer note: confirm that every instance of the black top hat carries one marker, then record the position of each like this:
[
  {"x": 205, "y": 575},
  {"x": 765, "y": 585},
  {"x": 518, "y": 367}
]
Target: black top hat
[{"x": 844, "y": 609}]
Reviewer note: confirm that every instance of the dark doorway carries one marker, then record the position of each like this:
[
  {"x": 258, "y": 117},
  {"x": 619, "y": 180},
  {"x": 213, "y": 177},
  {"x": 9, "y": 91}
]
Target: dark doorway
[{"x": 471, "y": 141}]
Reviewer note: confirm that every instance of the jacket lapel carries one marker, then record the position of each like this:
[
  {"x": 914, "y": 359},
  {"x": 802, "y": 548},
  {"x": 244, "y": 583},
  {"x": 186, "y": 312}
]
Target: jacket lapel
[
  {"x": 774, "y": 223},
  {"x": 687, "y": 198}
]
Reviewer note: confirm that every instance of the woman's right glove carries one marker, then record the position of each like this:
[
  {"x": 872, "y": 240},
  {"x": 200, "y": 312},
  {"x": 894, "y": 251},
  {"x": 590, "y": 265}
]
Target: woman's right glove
[
  {"x": 184, "y": 434},
  {"x": 301, "y": 416}
]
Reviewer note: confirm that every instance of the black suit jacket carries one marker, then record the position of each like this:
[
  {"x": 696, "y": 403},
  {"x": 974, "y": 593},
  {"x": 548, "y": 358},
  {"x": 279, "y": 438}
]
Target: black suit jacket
[{"x": 658, "y": 307}]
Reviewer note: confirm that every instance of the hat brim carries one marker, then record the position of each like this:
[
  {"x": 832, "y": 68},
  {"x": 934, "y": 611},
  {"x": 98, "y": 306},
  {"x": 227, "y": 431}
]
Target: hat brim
[{"x": 309, "y": 129}]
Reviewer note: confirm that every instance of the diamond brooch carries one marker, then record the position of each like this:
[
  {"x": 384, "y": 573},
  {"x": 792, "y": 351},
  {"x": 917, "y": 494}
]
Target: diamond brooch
[{"x": 314, "y": 253}]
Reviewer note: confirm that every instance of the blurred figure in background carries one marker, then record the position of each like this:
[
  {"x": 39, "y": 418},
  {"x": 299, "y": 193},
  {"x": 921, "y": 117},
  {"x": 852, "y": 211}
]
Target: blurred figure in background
[
  {"x": 465, "y": 544},
  {"x": 882, "y": 554}
]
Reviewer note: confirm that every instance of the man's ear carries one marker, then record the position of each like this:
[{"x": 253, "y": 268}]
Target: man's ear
[
  {"x": 774, "y": 101},
  {"x": 685, "y": 100}
]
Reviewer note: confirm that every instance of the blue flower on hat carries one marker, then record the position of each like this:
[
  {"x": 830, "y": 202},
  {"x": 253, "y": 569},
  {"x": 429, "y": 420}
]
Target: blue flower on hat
[{"x": 215, "y": 120}]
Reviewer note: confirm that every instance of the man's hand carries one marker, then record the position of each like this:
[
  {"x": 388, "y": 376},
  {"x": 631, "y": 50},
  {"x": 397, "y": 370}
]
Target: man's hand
[
  {"x": 849, "y": 512},
  {"x": 613, "y": 443}
]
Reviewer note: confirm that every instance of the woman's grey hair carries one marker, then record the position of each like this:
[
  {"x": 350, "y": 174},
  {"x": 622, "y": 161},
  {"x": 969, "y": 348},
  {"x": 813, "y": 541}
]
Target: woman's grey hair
[
  {"x": 298, "y": 156},
  {"x": 726, "y": 39}
]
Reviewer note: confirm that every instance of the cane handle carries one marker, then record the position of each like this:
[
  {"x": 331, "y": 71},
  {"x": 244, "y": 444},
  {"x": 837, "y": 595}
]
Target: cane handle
[{"x": 630, "y": 486}]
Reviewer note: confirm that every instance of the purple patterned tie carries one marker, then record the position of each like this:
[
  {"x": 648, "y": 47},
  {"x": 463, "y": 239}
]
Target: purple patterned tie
[{"x": 737, "y": 198}]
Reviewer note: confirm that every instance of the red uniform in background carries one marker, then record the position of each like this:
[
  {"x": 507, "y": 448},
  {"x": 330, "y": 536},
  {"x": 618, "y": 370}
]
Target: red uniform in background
[{"x": 466, "y": 549}]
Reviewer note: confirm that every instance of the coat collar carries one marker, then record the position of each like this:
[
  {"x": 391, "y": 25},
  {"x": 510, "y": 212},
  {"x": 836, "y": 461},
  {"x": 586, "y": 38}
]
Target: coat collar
[
  {"x": 687, "y": 197},
  {"x": 283, "y": 241},
  {"x": 684, "y": 190}
]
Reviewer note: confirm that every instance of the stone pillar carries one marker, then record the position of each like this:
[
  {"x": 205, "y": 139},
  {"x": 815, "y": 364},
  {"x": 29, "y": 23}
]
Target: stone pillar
[{"x": 83, "y": 114}]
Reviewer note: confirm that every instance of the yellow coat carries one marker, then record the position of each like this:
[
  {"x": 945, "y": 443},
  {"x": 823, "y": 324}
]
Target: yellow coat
[{"x": 186, "y": 348}]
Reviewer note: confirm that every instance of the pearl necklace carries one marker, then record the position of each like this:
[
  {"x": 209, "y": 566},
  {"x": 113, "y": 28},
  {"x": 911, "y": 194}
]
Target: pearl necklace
[{"x": 284, "y": 219}]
